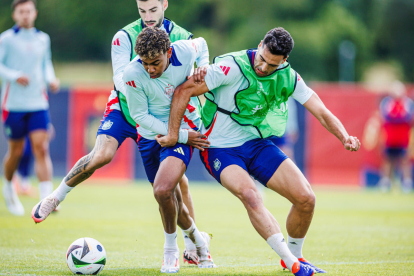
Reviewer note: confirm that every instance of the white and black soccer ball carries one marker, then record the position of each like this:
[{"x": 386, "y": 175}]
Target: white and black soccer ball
[{"x": 86, "y": 256}]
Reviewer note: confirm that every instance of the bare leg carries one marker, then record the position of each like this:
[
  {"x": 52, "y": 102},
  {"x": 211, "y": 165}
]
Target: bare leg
[
  {"x": 169, "y": 173},
  {"x": 238, "y": 182},
  {"x": 102, "y": 154},
  {"x": 186, "y": 195},
  {"x": 12, "y": 158},
  {"x": 289, "y": 182},
  {"x": 40, "y": 146}
]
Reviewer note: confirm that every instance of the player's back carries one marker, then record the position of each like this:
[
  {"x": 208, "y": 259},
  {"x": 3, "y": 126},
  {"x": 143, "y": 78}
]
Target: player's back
[{"x": 24, "y": 52}]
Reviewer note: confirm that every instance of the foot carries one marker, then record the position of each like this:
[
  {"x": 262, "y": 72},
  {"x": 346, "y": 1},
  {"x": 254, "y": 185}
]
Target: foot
[
  {"x": 204, "y": 256},
  {"x": 170, "y": 264},
  {"x": 305, "y": 262},
  {"x": 12, "y": 200},
  {"x": 190, "y": 257},
  {"x": 300, "y": 269},
  {"x": 43, "y": 209}
]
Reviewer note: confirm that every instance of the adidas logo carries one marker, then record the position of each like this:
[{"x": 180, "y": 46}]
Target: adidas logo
[
  {"x": 225, "y": 69},
  {"x": 179, "y": 150},
  {"x": 116, "y": 42}
]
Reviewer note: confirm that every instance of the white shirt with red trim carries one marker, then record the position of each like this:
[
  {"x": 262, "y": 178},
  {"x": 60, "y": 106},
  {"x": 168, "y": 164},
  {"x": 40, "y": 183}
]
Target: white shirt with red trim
[
  {"x": 224, "y": 80},
  {"x": 149, "y": 100},
  {"x": 25, "y": 52}
]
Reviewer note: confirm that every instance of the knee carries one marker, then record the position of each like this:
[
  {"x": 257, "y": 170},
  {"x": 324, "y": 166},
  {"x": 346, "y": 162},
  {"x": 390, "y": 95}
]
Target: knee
[
  {"x": 102, "y": 157},
  {"x": 251, "y": 198},
  {"x": 163, "y": 192},
  {"x": 41, "y": 149},
  {"x": 16, "y": 152},
  {"x": 305, "y": 201}
]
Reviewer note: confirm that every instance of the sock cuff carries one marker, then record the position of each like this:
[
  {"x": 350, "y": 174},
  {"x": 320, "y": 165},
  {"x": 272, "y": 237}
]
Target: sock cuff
[
  {"x": 295, "y": 239},
  {"x": 276, "y": 237},
  {"x": 192, "y": 227},
  {"x": 45, "y": 183}
]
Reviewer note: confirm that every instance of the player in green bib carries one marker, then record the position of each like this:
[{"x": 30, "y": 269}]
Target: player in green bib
[
  {"x": 246, "y": 94},
  {"x": 116, "y": 124}
]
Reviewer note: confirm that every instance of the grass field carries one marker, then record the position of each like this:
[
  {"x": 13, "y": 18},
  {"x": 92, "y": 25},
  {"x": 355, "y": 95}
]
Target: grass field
[{"x": 353, "y": 233}]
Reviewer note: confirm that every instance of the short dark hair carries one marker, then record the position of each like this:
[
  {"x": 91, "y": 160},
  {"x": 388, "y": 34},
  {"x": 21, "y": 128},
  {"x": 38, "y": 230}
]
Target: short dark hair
[
  {"x": 152, "y": 42},
  {"x": 18, "y": 2},
  {"x": 279, "y": 42}
]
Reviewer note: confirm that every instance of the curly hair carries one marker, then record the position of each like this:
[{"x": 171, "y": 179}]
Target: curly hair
[
  {"x": 152, "y": 42},
  {"x": 18, "y": 2},
  {"x": 279, "y": 42}
]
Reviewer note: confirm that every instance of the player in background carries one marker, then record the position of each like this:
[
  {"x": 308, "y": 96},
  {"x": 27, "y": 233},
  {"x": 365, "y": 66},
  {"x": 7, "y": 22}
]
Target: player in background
[
  {"x": 117, "y": 125},
  {"x": 245, "y": 108},
  {"x": 26, "y": 70},
  {"x": 397, "y": 114},
  {"x": 151, "y": 79}
]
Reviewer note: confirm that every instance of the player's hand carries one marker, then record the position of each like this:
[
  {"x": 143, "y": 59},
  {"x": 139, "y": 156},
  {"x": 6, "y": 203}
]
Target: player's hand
[
  {"x": 352, "y": 144},
  {"x": 166, "y": 141},
  {"x": 197, "y": 140},
  {"x": 23, "y": 80},
  {"x": 55, "y": 85},
  {"x": 199, "y": 74}
]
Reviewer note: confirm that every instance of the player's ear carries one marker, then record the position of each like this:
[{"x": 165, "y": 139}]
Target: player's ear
[
  {"x": 261, "y": 43},
  {"x": 169, "y": 53},
  {"x": 165, "y": 4}
]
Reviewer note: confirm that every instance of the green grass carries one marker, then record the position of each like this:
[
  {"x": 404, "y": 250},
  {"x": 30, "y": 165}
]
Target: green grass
[{"x": 353, "y": 233}]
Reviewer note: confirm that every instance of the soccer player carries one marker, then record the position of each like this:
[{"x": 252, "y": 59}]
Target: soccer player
[
  {"x": 245, "y": 108},
  {"x": 26, "y": 69},
  {"x": 151, "y": 79},
  {"x": 397, "y": 114},
  {"x": 117, "y": 124}
]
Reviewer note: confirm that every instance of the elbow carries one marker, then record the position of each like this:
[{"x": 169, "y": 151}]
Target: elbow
[{"x": 182, "y": 93}]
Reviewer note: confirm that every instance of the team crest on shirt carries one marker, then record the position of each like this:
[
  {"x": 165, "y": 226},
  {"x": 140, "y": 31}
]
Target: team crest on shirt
[
  {"x": 169, "y": 91},
  {"x": 217, "y": 164},
  {"x": 107, "y": 125}
]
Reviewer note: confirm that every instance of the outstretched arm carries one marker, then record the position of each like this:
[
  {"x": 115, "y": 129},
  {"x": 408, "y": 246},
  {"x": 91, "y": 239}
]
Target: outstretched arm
[
  {"x": 179, "y": 103},
  {"x": 331, "y": 123}
]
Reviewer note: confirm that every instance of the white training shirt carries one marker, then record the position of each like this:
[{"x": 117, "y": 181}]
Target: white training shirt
[
  {"x": 149, "y": 100},
  {"x": 224, "y": 80},
  {"x": 25, "y": 52}
]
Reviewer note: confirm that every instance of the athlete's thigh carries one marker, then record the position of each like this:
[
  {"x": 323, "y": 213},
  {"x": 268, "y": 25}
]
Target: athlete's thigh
[
  {"x": 289, "y": 182},
  {"x": 237, "y": 180},
  {"x": 39, "y": 139},
  {"x": 105, "y": 146},
  {"x": 16, "y": 146},
  {"x": 169, "y": 173}
]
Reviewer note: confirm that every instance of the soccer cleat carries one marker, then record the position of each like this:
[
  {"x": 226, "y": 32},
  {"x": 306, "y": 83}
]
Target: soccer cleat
[
  {"x": 190, "y": 257},
  {"x": 170, "y": 264},
  {"x": 12, "y": 200},
  {"x": 204, "y": 256},
  {"x": 305, "y": 262},
  {"x": 43, "y": 209},
  {"x": 299, "y": 269}
]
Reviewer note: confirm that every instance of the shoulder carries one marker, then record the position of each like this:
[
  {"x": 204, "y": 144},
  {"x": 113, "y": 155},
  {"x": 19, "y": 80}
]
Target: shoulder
[
  {"x": 135, "y": 70},
  {"x": 172, "y": 28},
  {"x": 7, "y": 35},
  {"x": 44, "y": 36},
  {"x": 119, "y": 37},
  {"x": 228, "y": 66}
]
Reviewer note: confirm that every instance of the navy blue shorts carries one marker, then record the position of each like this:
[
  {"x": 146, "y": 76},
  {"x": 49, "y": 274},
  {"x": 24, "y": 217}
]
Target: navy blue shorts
[
  {"x": 394, "y": 153},
  {"x": 18, "y": 125},
  {"x": 259, "y": 157},
  {"x": 114, "y": 125},
  {"x": 153, "y": 154}
]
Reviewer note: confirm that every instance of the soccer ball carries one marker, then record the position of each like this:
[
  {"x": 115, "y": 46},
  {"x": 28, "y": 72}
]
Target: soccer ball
[{"x": 86, "y": 256}]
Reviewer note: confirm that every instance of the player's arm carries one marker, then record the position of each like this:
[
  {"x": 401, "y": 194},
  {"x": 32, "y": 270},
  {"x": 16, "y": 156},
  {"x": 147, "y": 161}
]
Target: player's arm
[
  {"x": 120, "y": 56},
  {"x": 7, "y": 73},
  {"x": 48, "y": 70},
  {"x": 331, "y": 123},
  {"x": 138, "y": 108}
]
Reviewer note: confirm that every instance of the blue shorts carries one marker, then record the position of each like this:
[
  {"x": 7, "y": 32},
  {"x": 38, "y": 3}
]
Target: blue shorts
[
  {"x": 153, "y": 154},
  {"x": 114, "y": 125},
  {"x": 259, "y": 157},
  {"x": 18, "y": 125},
  {"x": 395, "y": 153}
]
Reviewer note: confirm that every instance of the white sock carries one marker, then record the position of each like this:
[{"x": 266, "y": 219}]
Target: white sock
[
  {"x": 278, "y": 244},
  {"x": 295, "y": 246},
  {"x": 61, "y": 191},
  {"x": 171, "y": 241},
  {"x": 195, "y": 235},
  {"x": 189, "y": 245},
  {"x": 25, "y": 183},
  {"x": 6, "y": 182},
  {"x": 45, "y": 189}
]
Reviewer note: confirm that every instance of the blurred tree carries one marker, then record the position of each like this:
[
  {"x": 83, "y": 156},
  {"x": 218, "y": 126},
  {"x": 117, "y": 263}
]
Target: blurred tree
[{"x": 381, "y": 29}]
